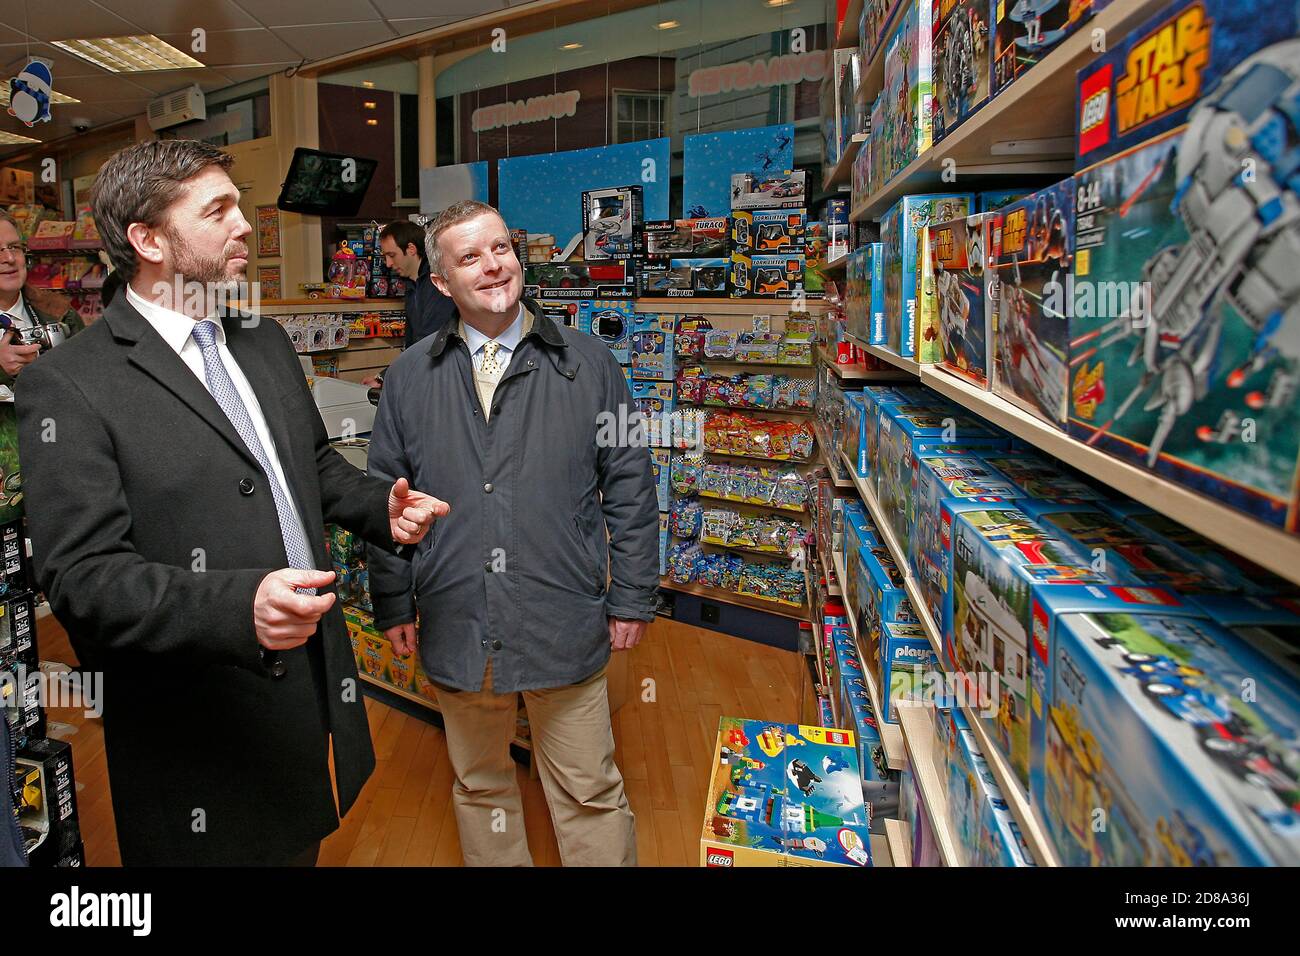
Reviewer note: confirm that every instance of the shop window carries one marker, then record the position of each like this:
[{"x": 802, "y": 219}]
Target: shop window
[{"x": 638, "y": 116}]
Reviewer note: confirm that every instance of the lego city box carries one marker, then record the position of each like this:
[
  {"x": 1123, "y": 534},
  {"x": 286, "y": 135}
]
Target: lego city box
[
  {"x": 768, "y": 231},
  {"x": 784, "y": 795},
  {"x": 961, "y": 47},
  {"x": 1033, "y": 250},
  {"x": 926, "y": 347},
  {"x": 1000, "y": 555},
  {"x": 1025, "y": 31},
  {"x": 1141, "y": 723},
  {"x": 984, "y": 832},
  {"x": 613, "y": 223},
  {"x": 1195, "y": 381},
  {"x": 767, "y": 276},
  {"x": 965, "y": 295},
  {"x": 900, "y": 231},
  {"x": 687, "y": 238}
]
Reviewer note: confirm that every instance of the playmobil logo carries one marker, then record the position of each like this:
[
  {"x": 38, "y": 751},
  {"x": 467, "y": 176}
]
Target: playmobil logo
[
  {"x": 913, "y": 653},
  {"x": 723, "y": 858}
]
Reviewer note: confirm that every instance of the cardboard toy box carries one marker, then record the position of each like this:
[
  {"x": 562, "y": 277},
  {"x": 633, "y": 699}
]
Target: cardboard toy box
[
  {"x": 784, "y": 795},
  {"x": 965, "y": 295},
  {"x": 767, "y": 276},
  {"x": 906, "y": 125},
  {"x": 879, "y": 783},
  {"x": 18, "y": 631},
  {"x": 900, "y": 230},
  {"x": 1035, "y": 477},
  {"x": 652, "y": 351},
  {"x": 580, "y": 280},
  {"x": 613, "y": 223},
  {"x": 612, "y": 321},
  {"x": 906, "y": 662},
  {"x": 1271, "y": 625},
  {"x": 48, "y": 809},
  {"x": 1140, "y": 721},
  {"x": 865, "y": 296},
  {"x": 780, "y": 192},
  {"x": 1033, "y": 251},
  {"x": 984, "y": 832},
  {"x": 884, "y": 601},
  {"x": 768, "y": 231},
  {"x": 684, "y": 278},
  {"x": 877, "y": 398},
  {"x": 876, "y": 16},
  {"x": 926, "y": 347},
  {"x": 660, "y": 459},
  {"x": 1193, "y": 380},
  {"x": 961, "y": 62},
  {"x": 687, "y": 238},
  {"x": 1025, "y": 31},
  {"x": 999, "y": 556}
]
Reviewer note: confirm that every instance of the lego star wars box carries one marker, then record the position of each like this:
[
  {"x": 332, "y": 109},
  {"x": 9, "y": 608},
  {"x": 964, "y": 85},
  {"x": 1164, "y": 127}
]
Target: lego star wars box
[
  {"x": 18, "y": 631},
  {"x": 900, "y": 230},
  {"x": 767, "y": 277},
  {"x": 1196, "y": 381},
  {"x": 964, "y": 294},
  {"x": 1025, "y": 31},
  {"x": 768, "y": 231},
  {"x": 926, "y": 347},
  {"x": 687, "y": 238},
  {"x": 47, "y": 812},
  {"x": 784, "y": 795},
  {"x": 1033, "y": 249},
  {"x": 905, "y": 128},
  {"x": 613, "y": 223},
  {"x": 1140, "y": 721},
  {"x": 782, "y": 192},
  {"x": 961, "y": 62}
]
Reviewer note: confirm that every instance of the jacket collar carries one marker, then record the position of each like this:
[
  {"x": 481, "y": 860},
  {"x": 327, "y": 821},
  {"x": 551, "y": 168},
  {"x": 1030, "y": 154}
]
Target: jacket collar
[{"x": 543, "y": 328}]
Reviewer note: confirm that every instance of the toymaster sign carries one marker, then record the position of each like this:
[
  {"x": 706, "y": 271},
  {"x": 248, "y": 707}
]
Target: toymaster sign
[
  {"x": 536, "y": 109},
  {"x": 756, "y": 74}
]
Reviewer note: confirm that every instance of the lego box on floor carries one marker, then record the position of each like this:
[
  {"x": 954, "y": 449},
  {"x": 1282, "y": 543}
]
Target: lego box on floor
[
  {"x": 784, "y": 795},
  {"x": 1140, "y": 721},
  {"x": 1195, "y": 380}
]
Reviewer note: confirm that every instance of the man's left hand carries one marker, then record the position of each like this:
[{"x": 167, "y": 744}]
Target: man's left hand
[
  {"x": 625, "y": 635},
  {"x": 411, "y": 513}
]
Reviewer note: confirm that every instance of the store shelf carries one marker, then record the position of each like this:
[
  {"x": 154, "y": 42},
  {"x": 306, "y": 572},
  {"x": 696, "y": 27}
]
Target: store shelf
[
  {"x": 842, "y": 172},
  {"x": 826, "y": 454},
  {"x": 775, "y": 461},
  {"x": 1027, "y": 131},
  {"x": 1270, "y": 547},
  {"x": 858, "y": 373},
  {"x": 836, "y": 266},
  {"x": 899, "y": 841},
  {"x": 740, "y": 600},
  {"x": 910, "y": 366},
  {"x": 835, "y": 588},
  {"x": 718, "y": 306},
  {"x": 744, "y": 549},
  {"x": 741, "y": 364},
  {"x": 848, "y": 33},
  {"x": 1012, "y": 792},
  {"x": 891, "y": 736},
  {"x": 880, "y": 851},
  {"x": 753, "y": 504},
  {"x": 922, "y": 744},
  {"x": 796, "y": 412}
]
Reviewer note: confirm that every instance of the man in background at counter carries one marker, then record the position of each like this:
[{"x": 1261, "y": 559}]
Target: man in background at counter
[
  {"x": 499, "y": 413},
  {"x": 173, "y": 460},
  {"x": 22, "y": 306}
]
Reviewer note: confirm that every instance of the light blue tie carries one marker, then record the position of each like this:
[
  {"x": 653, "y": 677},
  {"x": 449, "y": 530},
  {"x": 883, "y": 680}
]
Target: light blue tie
[{"x": 227, "y": 396}]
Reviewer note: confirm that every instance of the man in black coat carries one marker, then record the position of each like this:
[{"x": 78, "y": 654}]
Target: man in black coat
[{"x": 172, "y": 463}]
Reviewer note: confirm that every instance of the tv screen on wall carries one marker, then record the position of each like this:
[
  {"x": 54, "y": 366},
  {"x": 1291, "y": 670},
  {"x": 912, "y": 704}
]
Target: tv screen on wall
[{"x": 325, "y": 184}]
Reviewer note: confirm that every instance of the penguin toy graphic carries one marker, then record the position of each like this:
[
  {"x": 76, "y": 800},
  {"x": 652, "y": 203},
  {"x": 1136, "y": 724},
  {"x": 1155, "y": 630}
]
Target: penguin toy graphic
[{"x": 29, "y": 94}]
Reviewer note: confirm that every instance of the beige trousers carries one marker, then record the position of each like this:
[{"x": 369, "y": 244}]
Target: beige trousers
[{"x": 573, "y": 745}]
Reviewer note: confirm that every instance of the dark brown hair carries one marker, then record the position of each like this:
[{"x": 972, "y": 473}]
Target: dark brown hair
[
  {"x": 404, "y": 233},
  {"x": 138, "y": 183}
]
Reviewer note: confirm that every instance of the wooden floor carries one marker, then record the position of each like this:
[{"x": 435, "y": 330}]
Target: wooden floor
[{"x": 404, "y": 815}]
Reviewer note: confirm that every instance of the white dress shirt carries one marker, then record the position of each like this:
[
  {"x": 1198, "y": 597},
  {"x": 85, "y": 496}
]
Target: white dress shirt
[
  {"x": 177, "y": 331},
  {"x": 19, "y": 312},
  {"x": 507, "y": 341}
]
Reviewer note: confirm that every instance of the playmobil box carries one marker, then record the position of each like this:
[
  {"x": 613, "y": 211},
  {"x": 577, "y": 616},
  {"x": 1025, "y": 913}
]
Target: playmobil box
[
  {"x": 767, "y": 276},
  {"x": 900, "y": 230},
  {"x": 613, "y": 223},
  {"x": 1140, "y": 721},
  {"x": 906, "y": 658},
  {"x": 999, "y": 556},
  {"x": 784, "y": 795},
  {"x": 768, "y": 231},
  {"x": 879, "y": 784},
  {"x": 652, "y": 351},
  {"x": 1025, "y": 31},
  {"x": 964, "y": 295},
  {"x": 961, "y": 62},
  {"x": 852, "y": 429},
  {"x": 984, "y": 832},
  {"x": 1033, "y": 248},
  {"x": 946, "y": 484},
  {"x": 884, "y": 601},
  {"x": 687, "y": 238},
  {"x": 1194, "y": 381},
  {"x": 927, "y": 347},
  {"x": 613, "y": 322},
  {"x": 1036, "y": 477},
  {"x": 580, "y": 280},
  {"x": 684, "y": 278},
  {"x": 749, "y": 191},
  {"x": 866, "y": 310},
  {"x": 1125, "y": 548},
  {"x": 906, "y": 130}
]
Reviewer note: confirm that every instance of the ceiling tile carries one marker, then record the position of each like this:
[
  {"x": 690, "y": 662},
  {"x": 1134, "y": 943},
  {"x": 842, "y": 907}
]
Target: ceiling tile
[
  {"x": 159, "y": 18},
  {"x": 11, "y": 30},
  {"x": 241, "y": 74},
  {"x": 455, "y": 9},
  {"x": 93, "y": 89},
  {"x": 68, "y": 19},
  {"x": 238, "y": 48},
  {"x": 331, "y": 39},
  {"x": 307, "y": 12}
]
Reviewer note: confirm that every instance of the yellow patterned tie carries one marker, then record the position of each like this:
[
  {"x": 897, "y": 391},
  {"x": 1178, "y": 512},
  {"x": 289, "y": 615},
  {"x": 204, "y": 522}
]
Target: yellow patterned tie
[{"x": 490, "y": 365}]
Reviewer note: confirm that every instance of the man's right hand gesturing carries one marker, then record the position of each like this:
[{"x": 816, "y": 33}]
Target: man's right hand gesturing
[{"x": 285, "y": 619}]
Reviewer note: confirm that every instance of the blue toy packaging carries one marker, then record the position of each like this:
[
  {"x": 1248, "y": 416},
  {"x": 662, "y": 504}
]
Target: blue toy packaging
[
  {"x": 1141, "y": 725},
  {"x": 611, "y": 321},
  {"x": 784, "y": 795},
  {"x": 999, "y": 556},
  {"x": 884, "y": 601},
  {"x": 1033, "y": 249},
  {"x": 659, "y": 466},
  {"x": 652, "y": 349},
  {"x": 1271, "y": 625},
  {"x": 664, "y": 538},
  {"x": 1193, "y": 380},
  {"x": 984, "y": 832},
  {"x": 768, "y": 231},
  {"x": 864, "y": 296},
  {"x": 900, "y": 230},
  {"x": 879, "y": 785},
  {"x": 906, "y": 127},
  {"x": 1025, "y": 31},
  {"x": 961, "y": 62},
  {"x": 965, "y": 298},
  {"x": 878, "y": 398},
  {"x": 906, "y": 660},
  {"x": 1036, "y": 477}
]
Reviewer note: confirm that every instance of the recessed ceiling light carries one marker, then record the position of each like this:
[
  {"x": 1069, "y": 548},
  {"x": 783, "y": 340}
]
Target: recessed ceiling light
[
  {"x": 668, "y": 25},
  {"x": 55, "y": 96},
  {"x": 778, "y": 3},
  {"x": 368, "y": 84},
  {"x": 370, "y": 104},
  {"x": 372, "y": 122},
  {"x": 571, "y": 46},
  {"x": 136, "y": 54},
  {"x": 13, "y": 139}
]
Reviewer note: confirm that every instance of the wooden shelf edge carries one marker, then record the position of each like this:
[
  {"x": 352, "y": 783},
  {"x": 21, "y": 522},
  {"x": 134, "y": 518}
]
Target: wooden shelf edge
[
  {"x": 920, "y": 739},
  {"x": 899, "y": 841},
  {"x": 725, "y": 306},
  {"x": 737, "y": 599}
]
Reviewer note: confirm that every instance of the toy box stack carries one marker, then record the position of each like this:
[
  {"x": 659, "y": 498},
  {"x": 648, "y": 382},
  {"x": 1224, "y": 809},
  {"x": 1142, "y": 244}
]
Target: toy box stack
[
  {"x": 1025, "y": 31},
  {"x": 1194, "y": 380},
  {"x": 768, "y": 221},
  {"x": 1144, "y": 726},
  {"x": 864, "y": 297},
  {"x": 784, "y": 795},
  {"x": 901, "y": 122},
  {"x": 900, "y": 234},
  {"x": 47, "y": 808},
  {"x": 961, "y": 62},
  {"x": 613, "y": 224},
  {"x": 686, "y": 258},
  {"x": 965, "y": 295},
  {"x": 1033, "y": 251}
]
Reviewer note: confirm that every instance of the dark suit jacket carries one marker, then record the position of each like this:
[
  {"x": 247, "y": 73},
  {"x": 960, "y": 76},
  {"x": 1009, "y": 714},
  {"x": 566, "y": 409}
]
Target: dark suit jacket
[
  {"x": 427, "y": 309},
  {"x": 153, "y": 526}
]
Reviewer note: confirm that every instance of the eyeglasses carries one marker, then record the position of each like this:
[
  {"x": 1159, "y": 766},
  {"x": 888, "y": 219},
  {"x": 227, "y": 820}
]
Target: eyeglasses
[{"x": 15, "y": 249}]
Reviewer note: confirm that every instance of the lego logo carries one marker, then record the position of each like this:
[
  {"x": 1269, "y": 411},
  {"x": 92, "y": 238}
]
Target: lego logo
[
  {"x": 1095, "y": 111},
  {"x": 720, "y": 858}
]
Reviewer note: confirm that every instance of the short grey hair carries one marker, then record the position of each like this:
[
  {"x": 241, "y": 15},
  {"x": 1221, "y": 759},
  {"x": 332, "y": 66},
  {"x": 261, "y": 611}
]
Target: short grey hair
[{"x": 453, "y": 215}]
